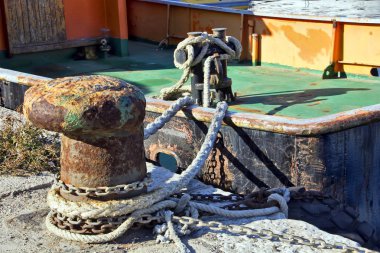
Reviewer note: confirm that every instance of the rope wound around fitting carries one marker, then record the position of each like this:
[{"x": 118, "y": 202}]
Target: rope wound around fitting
[
  {"x": 185, "y": 58},
  {"x": 95, "y": 221},
  {"x": 94, "y": 211}
]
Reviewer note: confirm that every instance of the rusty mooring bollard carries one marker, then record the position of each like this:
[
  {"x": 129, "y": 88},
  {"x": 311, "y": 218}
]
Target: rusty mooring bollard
[{"x": 101, "y": 121}]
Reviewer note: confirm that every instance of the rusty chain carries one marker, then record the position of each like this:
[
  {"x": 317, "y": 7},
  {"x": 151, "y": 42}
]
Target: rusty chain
[
  {"x": 106, "y": 225},
  {"x": 255, "y": 200},
  {"x": 101, "y": 191},
  {"x": 98, "y": 226},
  {"x": 213, "y": 197},
  {"x": 266, "y": 234}
]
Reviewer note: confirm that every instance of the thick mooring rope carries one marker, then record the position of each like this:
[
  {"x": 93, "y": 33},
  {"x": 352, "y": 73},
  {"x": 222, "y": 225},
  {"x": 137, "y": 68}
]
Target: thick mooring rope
[
  {"x": 138, "y": 205},
  {"x": 156, "y": 200},
  {"x": 158, "y": 123},
  {"x": 172, "y": 233},
  {"x": 184, "y": 59}
]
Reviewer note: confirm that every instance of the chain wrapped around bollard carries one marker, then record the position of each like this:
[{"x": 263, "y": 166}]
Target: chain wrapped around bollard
[{"x": 103, "y": 170}]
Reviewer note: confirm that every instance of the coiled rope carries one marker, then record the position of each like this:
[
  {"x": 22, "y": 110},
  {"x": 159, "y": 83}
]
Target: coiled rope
[
  {"x": 184, "y": 59},
  {"x": 142, "y": 204},
  {"x": 153, "y": 201}
]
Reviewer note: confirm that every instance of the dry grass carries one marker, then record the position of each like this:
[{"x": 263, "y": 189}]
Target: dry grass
[{"x": 26, "y": 150}]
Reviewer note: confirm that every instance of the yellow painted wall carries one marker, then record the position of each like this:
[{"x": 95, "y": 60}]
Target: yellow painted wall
[
  {"x": 361, "y": 44},
  {"x": 290, "y": 42}
]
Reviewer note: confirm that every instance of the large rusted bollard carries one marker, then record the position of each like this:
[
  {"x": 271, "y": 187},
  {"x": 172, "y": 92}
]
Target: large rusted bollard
[{"x": 101, "y": 121}]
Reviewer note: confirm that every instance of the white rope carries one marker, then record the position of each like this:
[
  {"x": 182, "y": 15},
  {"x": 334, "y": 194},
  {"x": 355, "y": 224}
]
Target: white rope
[
  {"x": 172, "y": 233},
  {"x": 184, "y": 59},
  {"x": 206, "y": 77},
  {"x": 159, "y": 122},
  {"x": 283, "y": 191},
  {"x": 182, "y": 203},
  {"x": 154, "y": 201},
  {"x": 143, "y": 204},
  {"x": 170, "y": 92},
  {"x": 235, "y": 213},
  {"x": 281, "y": 201},
  {"x": 98, "y": 209},
  {"x": 206, "y": 81}
]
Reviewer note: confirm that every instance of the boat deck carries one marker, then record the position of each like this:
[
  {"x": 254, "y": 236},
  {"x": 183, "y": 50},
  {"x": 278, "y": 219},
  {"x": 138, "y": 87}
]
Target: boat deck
[{"x": 266, "y": 90}]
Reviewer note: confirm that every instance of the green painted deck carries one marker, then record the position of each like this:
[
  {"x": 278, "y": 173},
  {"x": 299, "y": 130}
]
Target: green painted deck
[{"x": 266, "y": 90}]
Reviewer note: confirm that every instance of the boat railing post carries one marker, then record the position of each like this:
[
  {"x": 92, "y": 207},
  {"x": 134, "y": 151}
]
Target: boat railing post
[{"x": 256, "y": 49}]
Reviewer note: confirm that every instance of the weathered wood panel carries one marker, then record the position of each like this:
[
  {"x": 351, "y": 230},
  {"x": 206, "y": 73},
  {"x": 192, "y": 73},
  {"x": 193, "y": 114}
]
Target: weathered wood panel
[{"x": 34, "y": 25}]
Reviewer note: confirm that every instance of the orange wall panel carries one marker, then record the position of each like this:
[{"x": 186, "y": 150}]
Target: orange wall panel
[
  {"x": 203, "y": 20},
  {"x": 116, "y": 11},
  {"x": 147, "y": 20},
  {"x": 84, "y": 18},
  {"x": 179, "y": 21}
]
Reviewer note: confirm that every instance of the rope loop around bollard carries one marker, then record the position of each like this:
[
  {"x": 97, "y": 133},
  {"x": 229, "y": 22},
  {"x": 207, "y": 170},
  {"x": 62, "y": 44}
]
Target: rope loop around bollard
[
  {"x": 184, "y": 59},
  {"x": 140, "y": 209},
  {"x": 134, "y": 206}
]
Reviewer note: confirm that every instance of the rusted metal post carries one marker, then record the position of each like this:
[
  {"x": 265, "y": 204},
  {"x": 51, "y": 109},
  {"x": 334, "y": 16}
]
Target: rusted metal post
[
  {"x": 220, "y": 33},
  {"x": 250, "y": 28},
  {"x": 218, "y": 73},
  {"x": 101, "y": 121},
  {"x": 196, "y": 71},
  {"x": 223, "y": 86}
]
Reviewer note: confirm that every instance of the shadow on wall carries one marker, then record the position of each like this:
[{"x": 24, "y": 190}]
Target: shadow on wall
[{"x": 293, "y": 97}]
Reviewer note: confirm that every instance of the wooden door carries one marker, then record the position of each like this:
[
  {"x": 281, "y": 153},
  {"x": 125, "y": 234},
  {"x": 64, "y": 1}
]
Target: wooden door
[{"x": 34, "y": 25}]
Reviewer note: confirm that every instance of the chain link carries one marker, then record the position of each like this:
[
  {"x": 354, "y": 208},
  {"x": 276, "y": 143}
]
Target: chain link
[
  {"x": 266, "y": 234},
  {"x": 107, "y": 225},
  {"x": 241, "y": 202},
  {"x": 212, "y": 197},
  {"x": 98, "y": 226},
  {"x": 102, "y": 191}
]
